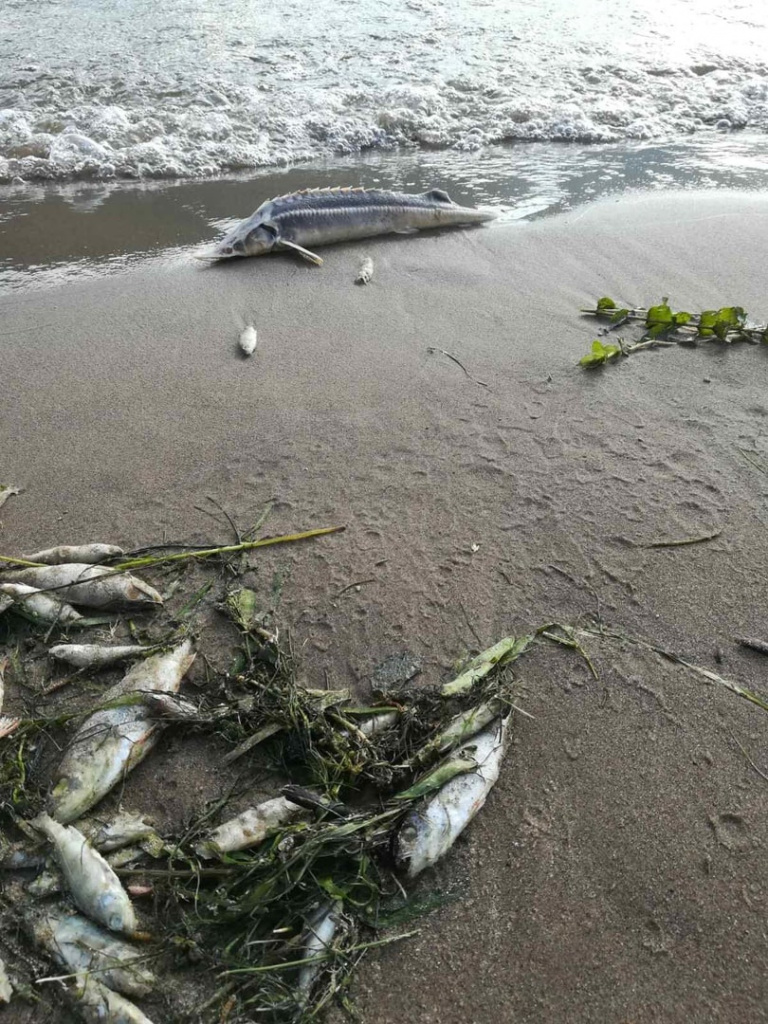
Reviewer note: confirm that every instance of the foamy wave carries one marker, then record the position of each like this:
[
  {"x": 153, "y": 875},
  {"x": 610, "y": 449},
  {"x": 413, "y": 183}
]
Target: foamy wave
[{"x": 249, "y": 110}]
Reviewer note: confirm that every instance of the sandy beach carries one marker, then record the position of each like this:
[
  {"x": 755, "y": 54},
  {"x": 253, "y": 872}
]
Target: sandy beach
[{"x": 616, "y": 873}]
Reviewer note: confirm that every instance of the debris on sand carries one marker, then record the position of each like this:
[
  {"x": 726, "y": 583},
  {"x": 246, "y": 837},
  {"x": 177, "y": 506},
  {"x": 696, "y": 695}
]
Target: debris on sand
[
  {"x": 365, "y": 271},
  {"x": 248, "y": 339},
  {"x": 279, "y": 894},
  {"x": 6, "y": 492}
]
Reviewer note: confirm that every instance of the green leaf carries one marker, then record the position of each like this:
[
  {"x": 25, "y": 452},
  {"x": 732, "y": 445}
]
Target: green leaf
[
  {"x": 681, "y": 318},
  {"x": 333, "y": 890},
  {"x": 504, "y": 651},
  {"x": 707, "y": 320},
  {"x": 600, "y": 354},
  {"x": 606, "y": 303},
  {"x": 243, "y": 606},
  {"x": 438, "y": 777},
  {"x": 661, "y": 314},
  {"x": 619, "y": 315}
]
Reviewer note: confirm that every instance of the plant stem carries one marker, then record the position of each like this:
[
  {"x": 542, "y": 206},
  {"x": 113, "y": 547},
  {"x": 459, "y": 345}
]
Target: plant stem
[{"x": 137, "y": 563}]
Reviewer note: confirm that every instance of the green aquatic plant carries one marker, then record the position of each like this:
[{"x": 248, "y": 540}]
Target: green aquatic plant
[{"x": 663, "y": 326}]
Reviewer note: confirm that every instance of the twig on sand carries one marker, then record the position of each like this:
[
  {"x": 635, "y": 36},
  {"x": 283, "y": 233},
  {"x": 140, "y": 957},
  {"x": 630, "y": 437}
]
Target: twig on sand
[
  {"x": 713, "y": 677},
  {"x": 748, "y": 759},
  {"x": 357, "y": 583},
  {"x": 683, "y": 541},
  {"x": 753, "y": 642},
  {"x": 433, "y": 348}
]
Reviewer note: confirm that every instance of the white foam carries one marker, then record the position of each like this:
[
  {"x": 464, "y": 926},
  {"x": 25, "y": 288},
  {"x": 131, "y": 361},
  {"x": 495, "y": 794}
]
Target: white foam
[{"x": 168, "y": 91}]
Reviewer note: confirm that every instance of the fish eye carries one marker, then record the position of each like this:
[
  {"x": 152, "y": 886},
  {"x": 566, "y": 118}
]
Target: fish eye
[
  {"x": 226, "y": 250},
  {"x": 238, "y": 247},
  {"x": 408, "y": 833}
]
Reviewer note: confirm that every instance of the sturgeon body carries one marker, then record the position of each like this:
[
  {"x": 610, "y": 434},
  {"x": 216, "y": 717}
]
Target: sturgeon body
[{"x": 320, "y": 216}]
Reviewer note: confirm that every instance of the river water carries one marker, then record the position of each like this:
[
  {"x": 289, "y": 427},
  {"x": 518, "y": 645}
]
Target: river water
[{"x": 536, "y": 105}]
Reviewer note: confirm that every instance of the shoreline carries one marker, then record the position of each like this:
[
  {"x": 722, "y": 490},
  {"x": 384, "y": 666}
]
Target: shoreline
[{"x": 127, "y": 404}]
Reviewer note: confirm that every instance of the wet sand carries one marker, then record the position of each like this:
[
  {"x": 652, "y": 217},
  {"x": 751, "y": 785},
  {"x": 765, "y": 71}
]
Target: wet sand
[{"x": 616, "y": 873}]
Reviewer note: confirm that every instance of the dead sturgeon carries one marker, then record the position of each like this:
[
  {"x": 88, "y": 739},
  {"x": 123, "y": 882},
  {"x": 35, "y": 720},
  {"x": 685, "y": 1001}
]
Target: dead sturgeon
[{"x": 319, "y": 216}]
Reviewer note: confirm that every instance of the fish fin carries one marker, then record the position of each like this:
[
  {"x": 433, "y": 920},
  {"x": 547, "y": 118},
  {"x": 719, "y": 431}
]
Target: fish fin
[
  {"x": 305, "y": 253},
  {"x": 439, "y": 195}
]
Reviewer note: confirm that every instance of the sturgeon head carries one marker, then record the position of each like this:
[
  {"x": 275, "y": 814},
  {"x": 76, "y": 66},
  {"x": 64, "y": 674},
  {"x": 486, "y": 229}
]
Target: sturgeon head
[{"x": 253, "y": 236}]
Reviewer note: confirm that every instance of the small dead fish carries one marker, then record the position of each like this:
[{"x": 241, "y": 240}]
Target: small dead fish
[
  {"x": 459, "y": 729},
  {"x": 172, "y": 707},
  {"x": 95, "y": 887},
  {"x": 6, "y": 989},
  {"x": 250, "y": 828},
  {"x": 6, "y": 492},
  {"x": 375, "y": 724},
  {"x": 100, "y": 1005},
  {"x": 95, "y": 655},
  {"x": 125, "y": 828},
  {"x": 37, "y": 604},
  {"x": 319, "y": 936},
  {"x": 111, "y": 742},
  {"x": 7, "y": 723},
  {"x": 83, "y": 553},
  {"x": 91, "y": 585},
  {"x": 429, "y": 831},
  {"x": 48, "y": 883},
  {"x": 18, "y": 857},
  {"x": 247, "y": 340},
  {"x": 78, "y": 944},
  {"x": 365, "y": 271}
]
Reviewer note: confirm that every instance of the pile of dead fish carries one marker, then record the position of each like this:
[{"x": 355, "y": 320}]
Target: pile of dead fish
[{"x": 94, "y": 932}]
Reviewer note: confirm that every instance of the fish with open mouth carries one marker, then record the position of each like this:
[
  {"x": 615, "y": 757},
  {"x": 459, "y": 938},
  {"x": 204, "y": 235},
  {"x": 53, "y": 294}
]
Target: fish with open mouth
[{"x": 320, "y": 216}]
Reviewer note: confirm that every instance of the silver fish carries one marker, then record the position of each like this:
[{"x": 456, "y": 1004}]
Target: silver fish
[
  {"x": 429, "y": 831},
  {"x": 95, "y": 655},
  {"x": 122, "y": 830},
  {"x": 321, "y": 931},
  {"x": 111, "y": 742},
  {"x": 74, "y": 942},
  {"x": 248, "y": 339},
  {"x": 250, "y": 828},
  {"x": 6, "y": 492},
  {"x": 320, "y": 216},
  {"x": 84, "y": 553},
  {"x": 6, "y": 989},
  {"x": 95, "y": 887},
  {"x": 37, "y": 604},
  {"x": 7, "y": 723},
  {"x": 365, "y": 271},
  {"x": 100, "y": 1005},
  {"x": 92, "y": 585}
]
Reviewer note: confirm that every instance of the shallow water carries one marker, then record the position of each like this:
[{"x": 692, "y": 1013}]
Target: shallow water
[{"x": 52, "y": 231}]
